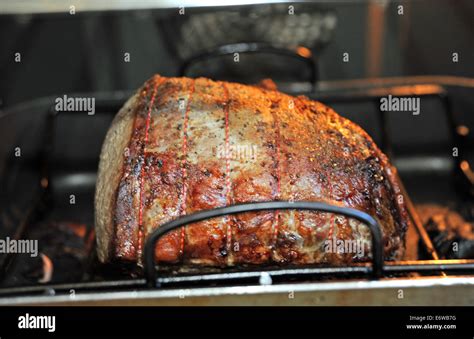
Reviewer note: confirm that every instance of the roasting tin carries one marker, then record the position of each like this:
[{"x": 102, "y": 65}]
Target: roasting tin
[{"x": 408, "y": 282}]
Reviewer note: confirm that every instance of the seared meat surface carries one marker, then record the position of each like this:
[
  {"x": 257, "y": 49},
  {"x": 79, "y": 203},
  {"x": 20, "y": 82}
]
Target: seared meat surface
[{"x": 182, "y": 145}]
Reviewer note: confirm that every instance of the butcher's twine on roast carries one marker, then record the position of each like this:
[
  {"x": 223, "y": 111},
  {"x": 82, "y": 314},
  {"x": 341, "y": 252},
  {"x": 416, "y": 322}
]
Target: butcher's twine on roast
[{"x": 183, "y": 145}]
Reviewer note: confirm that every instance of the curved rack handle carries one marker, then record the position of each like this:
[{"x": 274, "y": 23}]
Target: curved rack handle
[
  {"x": 374, "y": 226},
  {"x": 253, "y": 47}
]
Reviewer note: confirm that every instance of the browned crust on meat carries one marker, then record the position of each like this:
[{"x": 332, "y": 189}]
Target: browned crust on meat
[
  {"x": 394, "y": 243},
  {"x": 306, "y": 152}
]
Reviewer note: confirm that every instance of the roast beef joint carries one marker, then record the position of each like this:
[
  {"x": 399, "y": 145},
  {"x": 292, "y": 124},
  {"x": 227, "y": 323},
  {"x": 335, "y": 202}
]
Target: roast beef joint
[{"x": 182, "y": 145}]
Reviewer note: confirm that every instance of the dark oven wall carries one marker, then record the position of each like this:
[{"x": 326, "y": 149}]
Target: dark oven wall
[
  {"x": 63, "y": 53},
  {"x": 91, "y": 52}
]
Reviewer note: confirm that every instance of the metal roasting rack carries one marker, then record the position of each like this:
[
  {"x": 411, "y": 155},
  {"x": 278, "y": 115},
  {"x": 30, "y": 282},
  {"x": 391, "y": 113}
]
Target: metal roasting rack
[{"x": 376, "y": 270}]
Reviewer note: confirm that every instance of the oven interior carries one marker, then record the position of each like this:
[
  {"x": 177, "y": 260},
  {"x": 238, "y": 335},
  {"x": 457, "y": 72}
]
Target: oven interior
[{"x": 49, "y": 159}]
